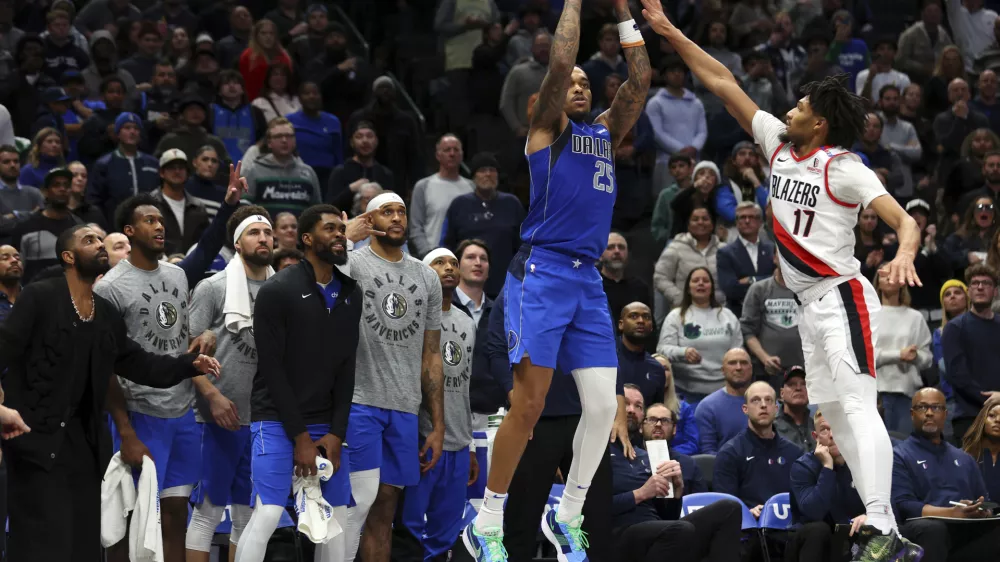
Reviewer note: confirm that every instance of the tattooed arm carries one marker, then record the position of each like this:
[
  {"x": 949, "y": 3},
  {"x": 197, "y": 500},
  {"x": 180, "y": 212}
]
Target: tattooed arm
[
  {"x": 549, "y": 116},
  {"x": 631, "y": 98},
  {"x": 432, "y": 387},
  {"x": 712, "y": 73}
]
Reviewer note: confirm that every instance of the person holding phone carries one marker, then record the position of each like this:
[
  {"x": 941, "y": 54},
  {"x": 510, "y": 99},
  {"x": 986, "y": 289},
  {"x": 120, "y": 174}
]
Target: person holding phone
[{"x": 932, "y": 481}]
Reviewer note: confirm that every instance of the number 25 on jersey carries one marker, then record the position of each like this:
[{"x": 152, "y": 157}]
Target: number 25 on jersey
[{"x": 604, "y": 176}]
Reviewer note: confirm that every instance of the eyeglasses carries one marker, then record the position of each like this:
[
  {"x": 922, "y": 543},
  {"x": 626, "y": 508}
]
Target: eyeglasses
[
  {"x": 659, "y": 421},
  {"x": 747, "y": 217},
  {"x": 984, "y": 207},
  {"x": 919, "y": 408},
  {"x": 985, "y": 283}
]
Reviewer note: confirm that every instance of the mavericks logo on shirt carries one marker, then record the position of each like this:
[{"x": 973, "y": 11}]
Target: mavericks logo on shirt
[
  {"x": 167, "y": 330},
  {"x": 451, "y": 353},
  {"x": 388, "y": 313},
  {"x": 456, "y": 353},
  {"x": 394, "y": 305},
  {"x": 693, "y": 331},
  {"x": 782, "y": 313}
]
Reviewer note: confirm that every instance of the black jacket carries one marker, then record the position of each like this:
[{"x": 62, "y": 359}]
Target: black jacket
[
  {"x": 486, "y": 396},
  {"x": 305, "y": 354},
  {"x": 36, "y": 358},
  {"x": 195, "y": 222}
]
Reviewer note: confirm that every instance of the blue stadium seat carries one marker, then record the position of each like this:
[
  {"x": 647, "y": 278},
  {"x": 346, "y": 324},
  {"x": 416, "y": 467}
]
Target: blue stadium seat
[
  {"x": 775, "y": 520},
  {"x": 692, "y": 502}
]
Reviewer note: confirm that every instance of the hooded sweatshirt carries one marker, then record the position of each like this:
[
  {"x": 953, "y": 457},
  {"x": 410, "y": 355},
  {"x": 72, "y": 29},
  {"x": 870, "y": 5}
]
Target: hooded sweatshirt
[
  {"x": 92, "y": 77},
  {"x": 277, "y": 187}
]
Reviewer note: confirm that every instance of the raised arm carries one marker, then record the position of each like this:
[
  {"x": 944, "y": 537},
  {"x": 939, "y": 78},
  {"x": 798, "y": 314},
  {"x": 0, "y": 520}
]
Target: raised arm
[
  {"x": 900, "y": 269},
  {"x": 546, "y": 121},
  {"x": 712, "y": 73},
  {"x": 628, "y": 104}
]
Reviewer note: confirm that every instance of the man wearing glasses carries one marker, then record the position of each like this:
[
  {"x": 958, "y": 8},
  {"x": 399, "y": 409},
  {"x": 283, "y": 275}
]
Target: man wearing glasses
[
  {"x": 751, "y": 260},
  {"x": 971, "y": 353},
  {"x": 933, "y": 478}
]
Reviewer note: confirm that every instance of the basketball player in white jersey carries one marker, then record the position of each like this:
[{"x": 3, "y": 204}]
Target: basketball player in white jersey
[{"x": 817, "y": 189}]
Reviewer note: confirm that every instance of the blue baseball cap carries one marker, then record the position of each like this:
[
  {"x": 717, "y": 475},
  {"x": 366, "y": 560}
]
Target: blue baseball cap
[{"x": 126, "y": 118}]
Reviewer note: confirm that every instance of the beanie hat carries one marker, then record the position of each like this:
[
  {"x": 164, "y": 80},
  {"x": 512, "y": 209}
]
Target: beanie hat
[
  {"x": 125, "y": 118},
  {"x": 706, "y": 164},
  {"x": 483, "y": 160},
  {"x": 952, "y": 283}
]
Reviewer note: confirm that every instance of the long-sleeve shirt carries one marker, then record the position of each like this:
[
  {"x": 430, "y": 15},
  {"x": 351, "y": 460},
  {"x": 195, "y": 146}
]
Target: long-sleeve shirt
[
  {"x": 627, "y": 476},
  {"x": 428, "y": 208},
  {"x": 640, "y": 369},
  {"x": 990, "y": 472},
  {"x": 522, "y": 81},
  {"x": 971, "y": 356},
  {"x": 459, "y": 40},
  {"x": 678, "y": 122},
  {"x": 973, "y": 30},
  {"x": 17, "y": 203},
  {"x": 719, "y": 418},
  {"x": 917, "y": 53},
  {"x": 901, "y": 137},
  {"x": 823, "y": 494},
  {"x": 712, "y": 332},
  {"x": 754, "y": 469},
  {"x": 950, "y": 131},
  {"x": 899, "y": 327},
  {"x": 927, "y": 474},
  {"x": 678, "y": 259}
]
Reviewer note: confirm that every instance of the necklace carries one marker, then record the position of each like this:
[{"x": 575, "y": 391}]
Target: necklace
[{"x": 93, "y": 308}]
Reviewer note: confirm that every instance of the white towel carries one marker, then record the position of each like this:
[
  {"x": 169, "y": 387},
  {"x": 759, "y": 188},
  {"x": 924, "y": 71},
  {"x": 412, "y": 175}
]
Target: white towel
[
  {"x": 117, "y": 500},
  {"x": 145, "y": 539},
  {"x": 237, "y": 313},
  {"x": 316, "y": 519}
]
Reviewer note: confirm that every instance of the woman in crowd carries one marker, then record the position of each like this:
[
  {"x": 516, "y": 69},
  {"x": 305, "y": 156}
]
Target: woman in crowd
[
  {"x": 89, "y": 214},
  {"x": 180, "y": 48},
  {"x": 688, "y": 250},
  {"x": 993, "y": 260},
  {"x": 705, "y": 180},
  {"x": 949, "y": 67},
  {"x": 277, "y": 96},
  {"x": 968, "y": 245},
  {"x": 286, "y": 228},
  {"x": 867, "y": 242},
  {"x": 954, "y": 301},
  {"x": 46, "y": 154},
  {"x": 982, "y": 442},
  {"x": 696, "y": 335},
  {"x": 931, "y": 262},
  {"x": 201, "y": 186},
  {"x": 904, "y": 349},
  {"x": 685, "y": 439},
  {"x": 263, "y": 51}
]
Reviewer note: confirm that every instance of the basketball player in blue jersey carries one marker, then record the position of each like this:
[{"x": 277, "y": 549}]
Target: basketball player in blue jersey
[{"x": 556, "y": 309}]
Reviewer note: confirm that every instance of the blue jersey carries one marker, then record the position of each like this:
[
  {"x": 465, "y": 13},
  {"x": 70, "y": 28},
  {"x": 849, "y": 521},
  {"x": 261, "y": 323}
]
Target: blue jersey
[{"x": 572, "y": 193}]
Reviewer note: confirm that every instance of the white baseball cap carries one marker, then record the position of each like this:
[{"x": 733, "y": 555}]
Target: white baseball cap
[{"x": 172, "y": 155}]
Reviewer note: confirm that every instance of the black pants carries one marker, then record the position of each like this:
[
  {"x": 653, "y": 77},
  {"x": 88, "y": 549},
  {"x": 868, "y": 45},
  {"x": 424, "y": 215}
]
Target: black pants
[
  {"x": 957, "y": 542},
  {"x": 711, "y": 533},
  {"x": 56, "y": 514},
  {"x": 551, "y": 448},
  {"x": 815, "y": 542}
]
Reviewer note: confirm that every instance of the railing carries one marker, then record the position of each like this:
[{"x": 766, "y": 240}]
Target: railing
[
  {"x": 358, "y": 37},
  {"x": 409, "y": 101}
]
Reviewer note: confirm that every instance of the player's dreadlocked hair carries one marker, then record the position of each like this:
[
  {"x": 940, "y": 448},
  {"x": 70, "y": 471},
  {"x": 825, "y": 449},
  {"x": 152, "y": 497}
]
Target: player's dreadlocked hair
[{"x": 845, "y": 112}]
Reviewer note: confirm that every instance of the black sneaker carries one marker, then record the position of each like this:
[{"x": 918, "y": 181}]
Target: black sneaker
[{"x": 873, "y": 546}]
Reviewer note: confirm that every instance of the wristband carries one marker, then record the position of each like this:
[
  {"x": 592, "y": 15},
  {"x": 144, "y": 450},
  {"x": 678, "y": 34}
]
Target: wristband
[{"x": 628, "y": 34}]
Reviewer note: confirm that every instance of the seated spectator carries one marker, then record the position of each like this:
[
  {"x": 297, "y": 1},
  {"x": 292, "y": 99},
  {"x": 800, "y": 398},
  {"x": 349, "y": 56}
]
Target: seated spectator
[
  {"x": 104, "y": 64},
  {"x": 770, "y": 326},
  {"x": 143, "y": 63},
  {"x": 36, "y": 237},
  {"x": 849, "y": 52},
  {"x": 762, "y": 84},
  {"x": 201, "y": 187},
  {"x": 21, "y": 94},
  {"x": 706, "y": 182},
  {"x": 922, "y": 42},
  {"x": 982, "y": 442},
  {"x": 237, "y": 123},
  {"x": 606, "y": 61},
  {"x": 680, "y": 179},
  {"x": 184, "y": 218},
  {"x": 277, "y": 96},
  {"x": 969, "y": 243},
  {"x": 263, "y": 50},
  {"x": 899, "y": 136},
  {"x": 318, "y": 136},
  {"x": 986, "y": 101},
  {"x": 683, "y": 436},
  {"x": 179, "y": 48},
  {"x": 359, "y": 169},
  {"x": 635, "y": 365},
  {"x": 696, "y": 248},
  {"x": 365, "y": 194},
  {"x": 899, "y": 182},
  {"x": 965, "y": 180},
  {"x": 101, "y": 13},
  {"x": 191, "y": 133},
  {"x": 647, "y": 526},
  {"x": 970, "y": 350},
  {"x": 46, "y": 154},
  {"x": 931, "y": 263},
  {"x": 106, "y": 189},
  {"x": 756, "y": 463},
  {"x": 949, "y": 67},
  {"x": 200, "y": 75},
  {"x": 620, "y": 288},
  {"x": 17, "y": 201},
  {"x": 955, "y": 123},
  {"x": 677, "y": 117},
  {"x": 11, "y": 271},
  {"x": 99, "y": 128},
  {"x": 86, "y": 212},
  {"x": 911, "y": 111},
  {"x": 795, "y": 422},
  {"x": 818, "y": 66},
  {"x": 747, "y": 260},
  {"x": 751, "y": 23},
  {"x": 432, "y": 195},
  {"x": 823, "y": 495},
  {"x": 280, "y": 180},
  {"x": 489, "y": 215},
  {"x": 788, "y": 58},
  {"x": 870, "y": 81},
  {"x": 716, "y": 43},
  {"x": 928, "y": 474},
  {"x": 696, "y": 335},
  {"x": 718, "y": 415}
]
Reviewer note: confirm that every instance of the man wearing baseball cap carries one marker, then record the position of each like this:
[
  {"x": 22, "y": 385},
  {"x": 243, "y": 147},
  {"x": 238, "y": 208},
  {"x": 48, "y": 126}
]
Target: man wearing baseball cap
[
  {"x": 36, "y": 237},
  {"x": 184, "y": 218},
  {"x": 123, "y": 172},
  {"x": 794, "y": 421}
]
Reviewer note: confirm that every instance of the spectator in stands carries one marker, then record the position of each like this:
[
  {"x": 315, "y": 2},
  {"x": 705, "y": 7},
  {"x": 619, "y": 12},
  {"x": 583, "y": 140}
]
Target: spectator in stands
[
  {"x": 706, "y": 181},
  {"x": 104, "y": 64},
  {"x": 99, "y": 14},
  {"x": 108, "y": 184},
  {"x": 78, "y": 204},
  {"x": 964, "y": 182},
  {"x": 972, "y": 25},
  {"x": 969, "y": 243},
  {"x": 201, "y": 74},
  {"x": 621, "y": 289},
  {"x": 677, "y": 117},
  {"x": 986, "y": 99},
  {"x": 55, "y": 104},
  {"x": 99, "y": 128},
  {"x": 277, "y": 96},
  {"x": 142, "y": 65},
  {"x": 690, "y": 250},
  {"x": 343, "y": 76},
  {"x": 11, "y": 33},
  {"x": 11, "y": 271},
  {"x": 184, "y": 218},
  {"x": 680, "y": 179},
  {"x": 156, "y": 104},
  {"x": 635, "y": 365},
  {"x": 46, "y": 154},
  {"x": 236, "y": 122},
  {"x": 868, "y": 246},
  {"x": 756, "y": 463},
  {"x": 201, "y": 186},
  {"x": 751, "y": 22},
  {"x": 433, "y": 195},
  {"x": 921, "y": 44},
  {"x": 318, "y": 136},
  {"x": 927, "y": 474},
  {"x": 486, "y": 214},
  {"x": 280, "y": 180},
  {"x": 173, "y": 14},
  {"x": 529, "y": 20},
  {"x": 647, "y": 526},
  {"x": 949, "y": 67},
  {"x": 460, "y": 26},
  {"x": 822, "y": 495},
  {"x": 747, "y": 260},
  {"x": 849, "y": 53},
  {"x": 762, "y": 84},
  {"x": 190, "y": 133},
  {"x": 522, "y": 81},
  {"x": 993, "y": 260},
  {"x": 787, "y": 57},
  {"x": 607, "y": 60},
  {"x": 263, "y": 50},
  {"x": 898, "y": 135},
  {"x": 180, "y": 48},
  {"x": 118, "y": 247},
  {"x": 36, "y": 236},
  {"x": 981, "y": 442},
  {"x": 359, "y": 169},
  {"x": 21, "y": 92},
  {"x": 716, "y": 44},
  {"x": 970, "y": 350},
  {"x": 61, "y": 53},
  {"x": 954, "y": 302},
  {"x": 683, "y": 435},
  {"x": 931, "y": 262},
  {"x": 817, "y": 65},
  {"x": 286, "y": 257},
  {"x": 870, "y": 81},
  {"x": 289, "y": 18},
  {"x": 769, "y": 324},
  {"x": 953, "y": 125},
  {"x": 286, "y": 227},
  {"x": 230, "y": 47},
  {"x": 17, "y": 201},
  {"x": 718, "y": 416},
  {"x": 795, "y": 422},
  {"x": 307, "y": 46},
  {"x": 746, "y": 180},
  {"x": 900, "y": 183}
]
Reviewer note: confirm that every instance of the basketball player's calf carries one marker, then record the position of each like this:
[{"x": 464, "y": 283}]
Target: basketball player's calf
[
  {"x": 173, "y": 520},
  {"x": 376, "y": 542}
]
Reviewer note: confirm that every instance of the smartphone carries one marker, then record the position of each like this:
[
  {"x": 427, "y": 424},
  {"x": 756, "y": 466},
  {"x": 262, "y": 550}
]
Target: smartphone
[{"x": 989, "y": 505}]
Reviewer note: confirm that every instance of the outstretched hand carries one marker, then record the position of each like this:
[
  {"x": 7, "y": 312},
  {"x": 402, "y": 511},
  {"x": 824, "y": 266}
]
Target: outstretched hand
[
  {"x": 900, "y": 271},
  {"x": 237, "y": 184},
  {"x": 652, "y": 10}
]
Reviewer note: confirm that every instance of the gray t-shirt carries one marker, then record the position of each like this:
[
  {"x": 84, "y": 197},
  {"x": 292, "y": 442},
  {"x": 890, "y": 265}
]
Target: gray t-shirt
[
  {"x": 771, "y": 313},
  {"x": 154, "y": 305},
  {"x": 458, "y": 339},
  {"x": 402, "y": 301},
  {"x": 237, "y": 353}
]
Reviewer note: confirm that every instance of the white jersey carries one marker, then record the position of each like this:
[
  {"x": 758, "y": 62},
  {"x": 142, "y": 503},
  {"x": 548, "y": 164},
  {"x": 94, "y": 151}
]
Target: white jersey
[{"x": 815, "y": 201}]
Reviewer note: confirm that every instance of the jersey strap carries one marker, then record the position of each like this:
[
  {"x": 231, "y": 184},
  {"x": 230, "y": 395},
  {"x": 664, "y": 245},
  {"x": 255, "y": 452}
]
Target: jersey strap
[
  {"x": 826, "y": 181},
  {"x": 798, "y": 257}
]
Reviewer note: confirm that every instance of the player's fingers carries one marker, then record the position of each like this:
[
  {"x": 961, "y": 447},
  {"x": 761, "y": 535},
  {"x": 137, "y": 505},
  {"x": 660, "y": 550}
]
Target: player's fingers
[{"x": 377, "y": 233}]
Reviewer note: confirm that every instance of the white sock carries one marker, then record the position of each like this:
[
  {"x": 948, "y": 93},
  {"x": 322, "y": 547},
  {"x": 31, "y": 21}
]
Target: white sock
[
  {"x": 253, "y": 543},
  {"x": 364, "y": 488},
  {"x": 590, "y": 443},
  {"x": 491, "y": 513}
]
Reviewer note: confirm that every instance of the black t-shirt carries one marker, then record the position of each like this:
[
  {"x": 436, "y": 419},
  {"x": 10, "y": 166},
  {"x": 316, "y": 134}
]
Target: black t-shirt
[{"x": 36, "y": 238}]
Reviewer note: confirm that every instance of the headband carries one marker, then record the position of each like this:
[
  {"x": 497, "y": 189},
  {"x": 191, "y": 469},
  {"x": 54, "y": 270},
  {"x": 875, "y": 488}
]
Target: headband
[
  {"x": 246, "y": 223},
  {"x": 384, "y": 199},
  {"x": 435, "y": 254}
]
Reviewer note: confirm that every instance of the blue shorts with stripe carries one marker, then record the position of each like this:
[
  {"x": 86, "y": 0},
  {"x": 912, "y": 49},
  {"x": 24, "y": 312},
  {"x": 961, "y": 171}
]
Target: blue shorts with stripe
[
  {"x": 556, "y": 311},
  {"x": 387, "y": 440},
  {"x": 273, "y": 466},
  {"x": 175, "y": 444},
  {"x": 225, "y": 466}
]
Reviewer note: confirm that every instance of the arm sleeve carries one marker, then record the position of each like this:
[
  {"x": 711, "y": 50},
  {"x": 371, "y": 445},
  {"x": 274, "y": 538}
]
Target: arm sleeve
[
  {"x": 910, "y": 151},
  {"x": 708, "y": 438},
  {"x": 701, "y": 127},
  {"x": 725, "y": 203},
  {"x": 623, "y": 502},
  {"x": 813, "y": 496},
  {"x": 670, "y": 337},
  {"x": 508, "y": 99},
  {"x": 904, "y": 499},
  {"x": 270, "y": 329},
  {"x": 766, "y": 132},
  {"x": 853, "y": 182},
  {"x": 736, "y": 334},
  {"x": 686, "y": 439},
  {"x": 726, "y": 477},
  {"x": 200, "y": 259},
  {"x": 662, "y": 215}
]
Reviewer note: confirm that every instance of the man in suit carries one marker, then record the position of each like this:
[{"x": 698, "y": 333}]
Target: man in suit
[
  {"x": 747, "y": 259},
  {"x": 59, "y": 348}
]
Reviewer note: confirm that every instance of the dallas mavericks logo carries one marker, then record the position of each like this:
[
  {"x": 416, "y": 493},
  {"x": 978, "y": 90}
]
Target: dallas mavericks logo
[
  {"x": 452, "y": 353},
  {"x": 394, "y": 305},
  {"x": 511, "y": 340},
  {"x": 692, "y": 331},
  {"x": 166, "y": 315}
]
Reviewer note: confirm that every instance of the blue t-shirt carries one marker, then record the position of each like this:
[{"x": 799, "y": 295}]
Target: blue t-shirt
[
  {"x": 853, "y": 57},
  {"x": 330, "y": 292},
  {"x": 318, "y": 140}
]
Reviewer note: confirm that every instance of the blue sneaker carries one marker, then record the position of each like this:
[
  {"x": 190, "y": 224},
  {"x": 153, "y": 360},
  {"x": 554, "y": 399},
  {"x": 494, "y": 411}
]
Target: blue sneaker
[
  {"x": 484, "y": 547},
  {"x": 568, "y": 538}
]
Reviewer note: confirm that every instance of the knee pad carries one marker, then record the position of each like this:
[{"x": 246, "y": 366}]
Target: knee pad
[
  {"x": 240, "y": 515},
  {"x": 204, "y": 519}
]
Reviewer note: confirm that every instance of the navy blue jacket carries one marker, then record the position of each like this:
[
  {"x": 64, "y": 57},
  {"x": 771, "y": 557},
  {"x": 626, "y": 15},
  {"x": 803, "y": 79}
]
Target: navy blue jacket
[
  {"x": 970, "y": 359},
  {"x": 754, "y": 469},
  {"x": 643, "y": 371},
  {"x": 486, "y": 396},
  {"x": 628, "y": 476},
  {"x": 991, "y": 473},
  {"x": 821, "y": 494},
  {"x": 496, "y": 222},
  {"x": 927, "y": 474},
  {"x": 734, "y": 263},
  {"x": 111, "y": 180}
]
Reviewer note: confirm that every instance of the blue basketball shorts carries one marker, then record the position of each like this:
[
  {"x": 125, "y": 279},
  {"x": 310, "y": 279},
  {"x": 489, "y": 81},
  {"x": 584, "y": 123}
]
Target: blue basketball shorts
[
  {"x": 273, "y": 466},
  {"x": 175, "y": 444},
  {"x": 387, "y": 440},
  {"x": 440, "y": 496},
  {"x": 556, "y": 312},
  {"x": 225, "y": 466}
]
